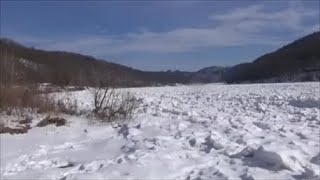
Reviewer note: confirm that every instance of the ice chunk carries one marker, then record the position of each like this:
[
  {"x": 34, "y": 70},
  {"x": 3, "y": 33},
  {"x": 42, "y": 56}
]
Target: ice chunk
[
  {"x": 280, "y": 158},
  {"x": 192, "y": 142},
  {"x": 134, "y": 132},
  {"x": 183, "y": 125},
  {"x": 210, "y": 143},
  {"x": 262, "y": 125},
  {"x": 246, "y": 152},
  {"x": 316, "y": 159}
]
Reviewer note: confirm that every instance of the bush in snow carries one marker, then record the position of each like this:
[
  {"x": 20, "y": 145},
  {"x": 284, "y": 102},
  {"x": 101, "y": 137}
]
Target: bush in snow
[
  {"x": 48, "y": 120},
  {"x": 111, "y": 104},
  {"x": 20, "y": 101},
  {"x": 10, "y": 130},
  {"x": 23, "y": 102}
]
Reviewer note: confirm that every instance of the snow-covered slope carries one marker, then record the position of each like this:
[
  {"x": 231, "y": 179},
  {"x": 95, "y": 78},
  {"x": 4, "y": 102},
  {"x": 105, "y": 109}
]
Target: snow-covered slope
[{"x": 257, "y": 131}]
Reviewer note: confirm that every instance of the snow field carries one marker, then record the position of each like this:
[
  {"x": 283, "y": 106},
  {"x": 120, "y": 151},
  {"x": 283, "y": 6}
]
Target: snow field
[{"x": 214, "y": 131}]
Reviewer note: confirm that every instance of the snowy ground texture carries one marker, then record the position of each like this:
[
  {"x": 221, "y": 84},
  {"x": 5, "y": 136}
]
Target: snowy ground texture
[{"x": 258, "y": 131}]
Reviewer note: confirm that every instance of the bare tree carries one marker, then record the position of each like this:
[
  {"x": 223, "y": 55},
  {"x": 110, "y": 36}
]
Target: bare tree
[{"x": 7, "y": 67}]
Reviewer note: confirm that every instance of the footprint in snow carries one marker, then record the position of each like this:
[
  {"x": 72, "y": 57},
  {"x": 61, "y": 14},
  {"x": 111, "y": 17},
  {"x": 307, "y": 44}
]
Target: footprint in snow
[
  {"x": 124, "y": 131},
  {"x": 86, "y": 168}
]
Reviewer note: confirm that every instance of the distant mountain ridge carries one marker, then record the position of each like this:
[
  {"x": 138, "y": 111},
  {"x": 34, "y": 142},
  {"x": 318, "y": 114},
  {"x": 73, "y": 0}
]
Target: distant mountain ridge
[
  {"x": 209, "y": 74},
  {"x": 297, "y": 61},
  {"x": 67, "y": 68}
]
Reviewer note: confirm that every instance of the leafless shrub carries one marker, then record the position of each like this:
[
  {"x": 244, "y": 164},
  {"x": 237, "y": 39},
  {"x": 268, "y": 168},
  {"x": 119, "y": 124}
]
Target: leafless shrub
[
  {"x": 27, "y": 120},
  {"x": 67, "y": 108},
  {"x": 46, "y": 104},
  {"x": 111, "y": 104},
  {"x": 48, "y": 120},
  {"x": 13, "y": 98},
  {"x": 23, "y": 101}
]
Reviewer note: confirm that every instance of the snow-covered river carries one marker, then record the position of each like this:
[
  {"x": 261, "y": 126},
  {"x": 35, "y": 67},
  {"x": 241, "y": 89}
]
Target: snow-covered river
[{"x": 214, "y": 131}]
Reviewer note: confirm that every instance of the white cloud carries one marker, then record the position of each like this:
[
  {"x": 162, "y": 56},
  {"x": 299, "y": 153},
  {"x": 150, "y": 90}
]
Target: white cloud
[
  {"x": 242, "y": 26},
  {"x": 291, "y": 18},
  {"x": 238, "y": 13}
]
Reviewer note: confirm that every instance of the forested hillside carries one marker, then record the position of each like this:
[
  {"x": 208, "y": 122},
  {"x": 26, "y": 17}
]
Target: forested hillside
[{"x": 298, "y": 61}]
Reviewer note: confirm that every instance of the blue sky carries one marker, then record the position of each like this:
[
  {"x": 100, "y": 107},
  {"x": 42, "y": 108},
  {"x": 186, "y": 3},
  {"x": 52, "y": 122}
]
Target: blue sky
[{"x": 161, "y": 35}]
